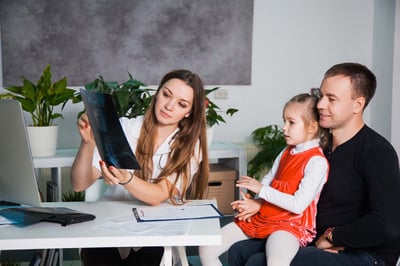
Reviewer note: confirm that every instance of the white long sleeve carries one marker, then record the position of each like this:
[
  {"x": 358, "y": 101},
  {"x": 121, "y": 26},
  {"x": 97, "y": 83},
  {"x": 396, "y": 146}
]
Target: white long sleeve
[{"x": 315, "y": 175}]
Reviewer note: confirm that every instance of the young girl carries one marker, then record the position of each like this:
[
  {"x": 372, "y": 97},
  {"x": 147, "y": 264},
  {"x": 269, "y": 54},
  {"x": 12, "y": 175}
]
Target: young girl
[
  {"x": 285, "y": 210},
  {"x": 171, "y": 147}
]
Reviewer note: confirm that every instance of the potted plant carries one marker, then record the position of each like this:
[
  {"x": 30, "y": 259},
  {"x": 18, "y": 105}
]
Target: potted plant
[
  {"x": 40, "y": 101},
  {"x": 214, "y": 114},
  {"x": 269, "y": 141},
  {"x": 131, "y": 98},
  {"x": 213, "y": 111}
]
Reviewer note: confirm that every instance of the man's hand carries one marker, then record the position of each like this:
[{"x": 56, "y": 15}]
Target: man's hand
[{"x": 322, "y": 243}]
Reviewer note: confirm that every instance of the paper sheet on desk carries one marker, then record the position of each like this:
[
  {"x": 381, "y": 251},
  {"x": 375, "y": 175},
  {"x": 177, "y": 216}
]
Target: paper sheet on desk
[
  {"x": 182, "y": 212},
  {"x": 126, "y": 223}
]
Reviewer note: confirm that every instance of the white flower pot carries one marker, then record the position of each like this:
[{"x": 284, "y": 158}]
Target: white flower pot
[
  {"x": 210, "y": 134},
  {"x": 43, "y": 140}
]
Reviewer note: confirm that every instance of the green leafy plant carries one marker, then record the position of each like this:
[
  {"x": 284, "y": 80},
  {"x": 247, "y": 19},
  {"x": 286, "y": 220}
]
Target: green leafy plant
[
  {"x": 269, "y": 141},
  {"x": 213, "y": 111},
  {"x": 9, "y": 263},
  {"x": 131, "y": 98},
  {"x": 41, "y": 98},
  {"x": 73, "y": 196}
]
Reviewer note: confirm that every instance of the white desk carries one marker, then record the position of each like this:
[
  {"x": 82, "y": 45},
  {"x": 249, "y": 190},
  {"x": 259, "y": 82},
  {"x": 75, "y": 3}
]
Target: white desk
[
  {"x": 90, "y": 234},
  {"x": 228, "y": 154}
]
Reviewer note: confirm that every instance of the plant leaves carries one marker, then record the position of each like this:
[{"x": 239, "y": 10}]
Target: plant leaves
[
  {"x": 39, "y": 100},
  {"x": 270, "y": 142}
]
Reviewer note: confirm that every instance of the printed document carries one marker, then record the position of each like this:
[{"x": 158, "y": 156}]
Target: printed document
[{"x": 181, "y": 212}]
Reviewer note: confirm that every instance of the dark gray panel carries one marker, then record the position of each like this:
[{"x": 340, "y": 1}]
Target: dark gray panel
[{"x": 84, "y": 39}]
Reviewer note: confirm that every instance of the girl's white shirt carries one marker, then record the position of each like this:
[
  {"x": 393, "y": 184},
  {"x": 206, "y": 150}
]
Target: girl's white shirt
[
  {"x": 315, "y": 176},
  {"x": 131, "y": 128}
]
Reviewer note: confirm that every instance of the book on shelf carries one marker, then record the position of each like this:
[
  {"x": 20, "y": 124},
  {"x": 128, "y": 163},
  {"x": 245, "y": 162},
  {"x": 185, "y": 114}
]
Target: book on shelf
[
  {"x": 36, "y": 259},
  {"x": 56, "y": 258},
  {"x": 45, "y": 257},
  {"x": 51, "y": 191},
  {"x": 50, "y": 257}
]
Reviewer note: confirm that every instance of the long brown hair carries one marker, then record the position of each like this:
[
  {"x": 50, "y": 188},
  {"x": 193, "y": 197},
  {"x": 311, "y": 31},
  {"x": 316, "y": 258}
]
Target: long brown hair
[{"x": 192, "y": 129}]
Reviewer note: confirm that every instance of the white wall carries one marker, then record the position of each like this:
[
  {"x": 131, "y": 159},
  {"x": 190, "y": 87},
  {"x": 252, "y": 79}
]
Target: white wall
[
  {"x": 395, "y": 131},
  {"x": 382, "y": 65},
  {"x": 294, "y": 43}
]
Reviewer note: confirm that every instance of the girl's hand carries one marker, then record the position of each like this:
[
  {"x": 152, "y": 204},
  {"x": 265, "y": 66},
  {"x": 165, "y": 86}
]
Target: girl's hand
[
  {"x": 246, "y": 207},
  {"x": 249, "y": 183},
  {"x": 235, "y": 204},
  {"x": 114, "y": 176},
  {"x": 85, "y": 130}
]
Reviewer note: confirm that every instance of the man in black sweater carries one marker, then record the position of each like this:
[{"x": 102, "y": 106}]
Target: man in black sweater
[{"x": 358, "y": 217}]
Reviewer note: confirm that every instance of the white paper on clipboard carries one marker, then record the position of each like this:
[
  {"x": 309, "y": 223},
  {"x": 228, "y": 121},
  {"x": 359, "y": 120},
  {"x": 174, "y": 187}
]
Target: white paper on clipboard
[{"x": 181, "y": 212}]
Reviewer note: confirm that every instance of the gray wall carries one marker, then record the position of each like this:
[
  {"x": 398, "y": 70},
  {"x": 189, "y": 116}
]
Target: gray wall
[
  {"x": 382, "y": 64},
  {"x": 84, "y": 39},
  {"x": 395, "y": 133}
]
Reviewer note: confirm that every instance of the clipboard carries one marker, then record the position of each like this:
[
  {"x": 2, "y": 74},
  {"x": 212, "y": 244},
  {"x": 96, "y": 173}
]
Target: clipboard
[{"x": 174, "y": 213}]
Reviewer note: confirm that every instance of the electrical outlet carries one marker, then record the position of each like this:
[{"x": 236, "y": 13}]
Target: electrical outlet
[{"x": 221, "y": 94}]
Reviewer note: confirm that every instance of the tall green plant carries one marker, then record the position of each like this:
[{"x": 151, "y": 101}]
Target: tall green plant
[
  {"x": 270, "y": 141},
  {"x": 131, "y": 98},
  {"x": 41, "y": 98}
]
